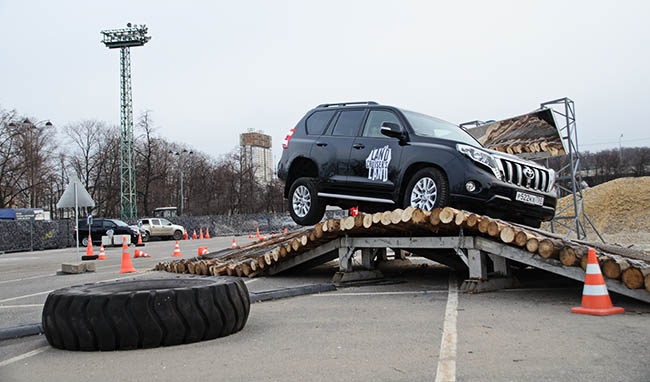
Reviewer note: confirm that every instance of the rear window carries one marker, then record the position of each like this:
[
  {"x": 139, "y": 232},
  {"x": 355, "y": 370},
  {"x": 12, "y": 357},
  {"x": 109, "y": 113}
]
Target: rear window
[
  {"x": 349, "y": 123},
  {"x": 317, "y": 122}
]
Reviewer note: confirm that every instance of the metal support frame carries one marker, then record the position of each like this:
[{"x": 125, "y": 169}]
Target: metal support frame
[
  {"x": 478, "y": 249},
  {"x": 577, "y": 222}
]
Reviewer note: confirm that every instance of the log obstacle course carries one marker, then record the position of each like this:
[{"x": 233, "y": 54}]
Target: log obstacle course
[{"x": 631, "y": 267}]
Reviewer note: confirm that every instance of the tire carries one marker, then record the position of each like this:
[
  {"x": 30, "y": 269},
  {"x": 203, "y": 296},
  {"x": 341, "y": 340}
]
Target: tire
[
  {"x": 308, "y": 208},
  {"x": 84, "y": 241},
  {"x": 178, "y": 235},
  {"x": 146, "y": 236},
  {"x": 436, "y": 182},
  {"x": 144, "y": 313}
]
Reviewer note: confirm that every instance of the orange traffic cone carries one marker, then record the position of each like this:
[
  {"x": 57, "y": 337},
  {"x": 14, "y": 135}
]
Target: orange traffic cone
[
  {"x": 177, "y": 251},
  {"x": 285, "y": 230},
  {"x": 147, "y": 255},
  {"x": 136, "y": 253},
  {"x": 272, "y": 235},
  {"x": 234, "y": 244},
  {"x": 258, "y": 234},
  {"x": 139, "y": 243},
  {"x": 200, "y": 233},
  {"x": 595, "y": 298},
  {"x": 89, "y": 248},
  {"x": 264, "y": 237},
  {"x": 184, "y": 235},
  {"x": 127, "y": 265},
  {"x": 194, "y": 235},
  {"x": 207, "y": 234},
  {"x": 102, "y": 256},
  {"x": 203, "y": 251},
  {"x": 250, "y": 236}
]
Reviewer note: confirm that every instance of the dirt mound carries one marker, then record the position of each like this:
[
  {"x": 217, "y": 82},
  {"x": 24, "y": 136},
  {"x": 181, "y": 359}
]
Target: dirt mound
[{"x": 620, "y": 207}]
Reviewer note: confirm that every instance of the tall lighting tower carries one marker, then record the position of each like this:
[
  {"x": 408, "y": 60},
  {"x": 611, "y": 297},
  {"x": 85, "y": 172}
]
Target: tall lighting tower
[{"x": 124, "y": 39}]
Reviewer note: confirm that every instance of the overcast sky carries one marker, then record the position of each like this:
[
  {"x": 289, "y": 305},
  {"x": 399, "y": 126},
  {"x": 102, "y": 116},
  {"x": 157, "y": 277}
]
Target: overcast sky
[{"x": 215, "y": 69}]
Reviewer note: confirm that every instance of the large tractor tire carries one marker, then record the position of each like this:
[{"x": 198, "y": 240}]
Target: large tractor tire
[{"x": 144, "y": 313}]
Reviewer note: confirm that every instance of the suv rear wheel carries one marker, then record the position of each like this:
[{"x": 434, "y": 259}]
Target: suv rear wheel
[
  {"x": 178, "y": 235},
  {"x": 427, "y": 189},
  {"x": 304, "y": 205}
]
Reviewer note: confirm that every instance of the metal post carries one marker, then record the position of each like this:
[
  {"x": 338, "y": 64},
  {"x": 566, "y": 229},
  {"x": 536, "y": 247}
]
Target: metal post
[{"x": 182, "y": 197}]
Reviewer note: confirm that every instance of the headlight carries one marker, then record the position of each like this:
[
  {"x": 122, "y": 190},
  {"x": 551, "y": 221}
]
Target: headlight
[
  {"x": 480, "y": 156},
  {"x": 551, "y": 179}
]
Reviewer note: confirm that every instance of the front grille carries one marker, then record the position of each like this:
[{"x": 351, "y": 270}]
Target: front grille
[{"x": 515, "y": 173}]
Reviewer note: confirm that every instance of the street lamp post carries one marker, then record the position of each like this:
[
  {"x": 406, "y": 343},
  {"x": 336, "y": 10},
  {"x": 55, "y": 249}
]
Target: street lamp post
[{"x": 180, "y": 170}]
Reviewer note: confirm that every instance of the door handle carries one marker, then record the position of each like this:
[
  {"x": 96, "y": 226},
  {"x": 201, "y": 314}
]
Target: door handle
[
  {"x": 359, "y": 146},
  {"x": 321, "y": 144}
]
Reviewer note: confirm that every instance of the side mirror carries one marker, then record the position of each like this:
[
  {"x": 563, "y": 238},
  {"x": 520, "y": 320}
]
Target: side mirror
[{"x": 391, "y": 129}]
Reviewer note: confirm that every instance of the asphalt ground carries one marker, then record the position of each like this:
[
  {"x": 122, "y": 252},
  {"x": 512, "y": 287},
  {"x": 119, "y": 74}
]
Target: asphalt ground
[{"x": 411, "y": 327}]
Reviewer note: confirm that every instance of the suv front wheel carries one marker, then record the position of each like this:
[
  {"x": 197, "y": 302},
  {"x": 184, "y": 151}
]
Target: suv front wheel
[
  {"x": 304, "y": 205},
  {"x": 427, "y": 189}
]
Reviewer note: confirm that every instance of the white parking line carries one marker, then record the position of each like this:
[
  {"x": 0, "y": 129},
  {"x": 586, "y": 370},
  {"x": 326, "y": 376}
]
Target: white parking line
[
  {"x": 48, "y": 291},
  {"x": 377, "y": 293},
  {"x": 446, "y": 371},
  {"x": 21, "y": 306},
  {"x": 26, "y": 278},
  {"x": 23, "y": 356}
]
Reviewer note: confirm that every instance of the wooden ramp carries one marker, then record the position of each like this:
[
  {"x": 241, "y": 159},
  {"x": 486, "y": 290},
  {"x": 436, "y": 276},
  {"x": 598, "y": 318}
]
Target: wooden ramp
[{"x": 460, "y": 239}]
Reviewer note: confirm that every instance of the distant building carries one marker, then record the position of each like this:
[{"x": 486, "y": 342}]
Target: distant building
[{"x": 256, "y": 150}]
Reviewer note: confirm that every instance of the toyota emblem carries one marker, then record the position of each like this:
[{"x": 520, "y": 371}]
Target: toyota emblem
[{"x": 529, "y": 173}]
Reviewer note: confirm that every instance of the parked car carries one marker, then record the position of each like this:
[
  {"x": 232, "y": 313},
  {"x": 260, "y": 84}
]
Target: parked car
[
  {"x": 163, "y": 228},
  {"x": 108, "y": 227},
  {"x": 380, "y": 157}
]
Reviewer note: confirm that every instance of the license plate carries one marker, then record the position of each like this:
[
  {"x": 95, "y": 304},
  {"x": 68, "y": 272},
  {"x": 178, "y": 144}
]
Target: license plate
[{"x": 529, "y": 198}]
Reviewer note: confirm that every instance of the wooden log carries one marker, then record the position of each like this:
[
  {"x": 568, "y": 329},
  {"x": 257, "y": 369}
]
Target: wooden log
[
  {"x": 599, "y": 257},
  {"x": 507, "y": 234},
  {"x": 347, "y": 223},
  {"x": 260, "y": 262},
  {"x": 461, "y": 218},
  {"x": 295, "y": 245},
  {"x": 549, "y": 248},
  {"x": 385, "y": 218},
  {"x": 483, "y": 224},
  {"x": 472, "y": 221},
  {"x": 275, "y": 253},
  {"x": 647, "y": 279},
  {"x": 367, "y": 221},
  {"x": 434, "y": 218},
  {"x": 418, "y": 216},
  {"x": 333, "y": 225},
  {"x": 318, "y": 230},
  {"x": 376, "y": 217},
  {"x": 447, "y": 215},
  {"x": 396, "y": 216},
  {"x": 253, "y": 265},
  {"x": 522, "y": 237},
  {"x": 632, "y": 278},
  {"x": 246, "y": 269},
  {"x": 190, "y": 268},
  {"x": 407, "y": 214},
  {"x": 494, "y": 228},
  {"x": 268, "y": 259},
  {"x": 614, "y": 266},
  {"x": 532, "y": 245}
]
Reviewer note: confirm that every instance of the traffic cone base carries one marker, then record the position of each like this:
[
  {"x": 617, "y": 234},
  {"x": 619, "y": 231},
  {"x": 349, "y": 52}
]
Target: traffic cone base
[
  {"x": 595, "y": 298},
  {"x": 234, "y": 244}
]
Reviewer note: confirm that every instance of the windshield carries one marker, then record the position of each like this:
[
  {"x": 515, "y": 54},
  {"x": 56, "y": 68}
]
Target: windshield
[
  {"x": 120, "y": 223},
  {"x": 426, "y": 126}
]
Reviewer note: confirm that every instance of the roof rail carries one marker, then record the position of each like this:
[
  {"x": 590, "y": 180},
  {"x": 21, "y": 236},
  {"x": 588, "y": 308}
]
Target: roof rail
[{"x": 348, "y": 103}]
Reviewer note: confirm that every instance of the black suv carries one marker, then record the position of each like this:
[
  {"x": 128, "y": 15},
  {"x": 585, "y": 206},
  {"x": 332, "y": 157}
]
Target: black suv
[
  {"x": 101, "y": 227},
  {"x": 380, "y": 157}
]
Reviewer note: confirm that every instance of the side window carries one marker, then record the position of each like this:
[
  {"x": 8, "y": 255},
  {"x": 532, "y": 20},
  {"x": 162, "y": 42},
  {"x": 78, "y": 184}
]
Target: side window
[
  {"x": 349, "y": 123},
  {"x": 317, "y": 122},
  {"x": 108, "y": 224},
  {"x": 165, "y": 222},
  {"x": 375, "y": 120},
  {"x": 155, "y": 221}
]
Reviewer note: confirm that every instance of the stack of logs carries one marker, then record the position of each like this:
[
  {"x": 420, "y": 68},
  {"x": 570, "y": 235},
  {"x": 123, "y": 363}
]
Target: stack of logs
[{"x": 251, "y": 260}]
